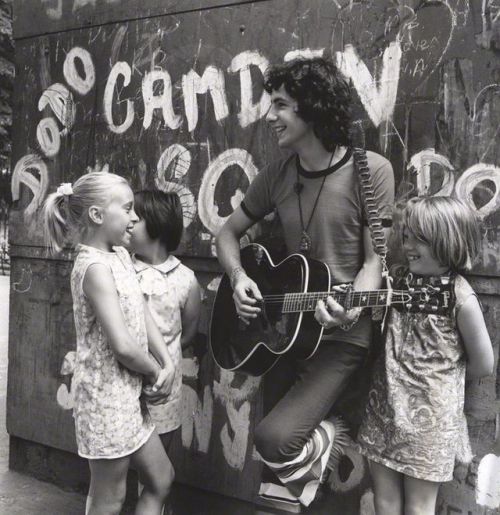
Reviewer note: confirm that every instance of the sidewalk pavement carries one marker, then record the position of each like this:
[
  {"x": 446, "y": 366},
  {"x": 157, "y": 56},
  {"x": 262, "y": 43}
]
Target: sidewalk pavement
[{"x": 20, "y": 494}]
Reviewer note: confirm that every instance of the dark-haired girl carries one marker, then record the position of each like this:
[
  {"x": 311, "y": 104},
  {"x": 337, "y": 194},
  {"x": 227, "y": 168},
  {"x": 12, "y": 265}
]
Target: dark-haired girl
[{"x": 170, "y": 288}]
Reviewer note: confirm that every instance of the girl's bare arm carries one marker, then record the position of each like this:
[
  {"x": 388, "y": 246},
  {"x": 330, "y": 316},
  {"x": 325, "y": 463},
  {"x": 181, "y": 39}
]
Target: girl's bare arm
[
  {"x": 100, "y": 288},
  {"x": 472, "y": 327}
]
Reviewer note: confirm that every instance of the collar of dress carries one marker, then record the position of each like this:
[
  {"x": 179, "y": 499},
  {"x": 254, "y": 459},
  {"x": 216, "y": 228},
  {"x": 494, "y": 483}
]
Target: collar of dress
[{"x": 167, "y": 266}]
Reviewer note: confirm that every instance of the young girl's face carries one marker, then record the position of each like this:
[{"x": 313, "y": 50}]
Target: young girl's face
[
  {"x": 140, "y": 241},
  {"x": 119, "y": 217},
  {"x": 419, "y": 256}
]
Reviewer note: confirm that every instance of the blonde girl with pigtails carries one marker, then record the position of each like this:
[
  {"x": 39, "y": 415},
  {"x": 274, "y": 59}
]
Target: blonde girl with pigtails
[{"x": 120, "y": 358}]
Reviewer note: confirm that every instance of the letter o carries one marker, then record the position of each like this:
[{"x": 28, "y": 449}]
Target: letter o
[
  {"x": 80, "y": 84},
  {"x": 48, "y": 136},
  {"x": 206, "y": 206},
  {"x": 471, "y": 178}
]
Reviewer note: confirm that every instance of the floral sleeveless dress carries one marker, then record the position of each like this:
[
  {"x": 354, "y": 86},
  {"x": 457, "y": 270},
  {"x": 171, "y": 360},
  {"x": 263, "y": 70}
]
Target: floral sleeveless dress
[
  {"x": 166, "y": 289},
  {"x": 414, "y": 421},
  {"x": 111, "y": 421}
]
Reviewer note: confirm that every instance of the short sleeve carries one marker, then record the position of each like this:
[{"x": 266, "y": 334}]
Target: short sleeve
[
  {"x": 383, "y": 185},
  {"x": 258, "y": 198}
]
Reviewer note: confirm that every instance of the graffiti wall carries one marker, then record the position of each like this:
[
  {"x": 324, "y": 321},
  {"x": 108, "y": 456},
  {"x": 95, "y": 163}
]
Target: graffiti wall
[{"x": 172, "y": 99}]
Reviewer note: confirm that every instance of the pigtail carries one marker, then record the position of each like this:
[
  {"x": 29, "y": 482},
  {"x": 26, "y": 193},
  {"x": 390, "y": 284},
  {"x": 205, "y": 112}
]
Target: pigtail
[{"x": 55, "y": 212}]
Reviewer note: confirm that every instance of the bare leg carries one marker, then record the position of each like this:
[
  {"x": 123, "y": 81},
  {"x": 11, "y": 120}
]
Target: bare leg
[
  {"x": 388, "y": 489},
  {"x": 108, "y": 485},
  {"x": 420, "y": 496},
  {"x": 156, "y": 474}
]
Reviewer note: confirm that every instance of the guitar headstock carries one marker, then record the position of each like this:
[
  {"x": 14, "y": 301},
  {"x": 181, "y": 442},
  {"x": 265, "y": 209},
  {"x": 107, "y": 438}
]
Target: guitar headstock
[{"x": 437, "y": 299}]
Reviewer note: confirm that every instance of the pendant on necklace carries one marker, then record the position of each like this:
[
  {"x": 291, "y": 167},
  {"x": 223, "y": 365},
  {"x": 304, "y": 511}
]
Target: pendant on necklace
[{"x": 305, "y": 243}]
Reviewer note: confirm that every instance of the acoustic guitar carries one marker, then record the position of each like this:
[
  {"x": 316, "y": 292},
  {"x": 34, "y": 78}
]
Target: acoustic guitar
[{"x": 286, "y": 323}]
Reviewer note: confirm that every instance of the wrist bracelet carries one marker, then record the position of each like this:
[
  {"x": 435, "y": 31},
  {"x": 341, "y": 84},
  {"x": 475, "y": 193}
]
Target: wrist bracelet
[
  {"x": 237, "y": 270},
  {"x": 349, "y": 325}
]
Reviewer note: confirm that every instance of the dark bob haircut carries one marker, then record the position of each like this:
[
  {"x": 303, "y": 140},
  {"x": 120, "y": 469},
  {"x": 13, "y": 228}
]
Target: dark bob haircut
[
  {"x": 162, "y": 213},
  {"x": 323, "y": 96}
]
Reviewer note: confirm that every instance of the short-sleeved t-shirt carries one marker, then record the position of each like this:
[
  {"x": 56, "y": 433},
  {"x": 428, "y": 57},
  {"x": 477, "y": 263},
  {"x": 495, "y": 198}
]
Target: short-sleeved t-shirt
[{"x": 336, "y": 227}]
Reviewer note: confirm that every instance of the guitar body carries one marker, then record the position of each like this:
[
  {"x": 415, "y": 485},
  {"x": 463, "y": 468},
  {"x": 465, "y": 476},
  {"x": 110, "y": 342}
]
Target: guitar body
[{"x": 256, "y": 347}]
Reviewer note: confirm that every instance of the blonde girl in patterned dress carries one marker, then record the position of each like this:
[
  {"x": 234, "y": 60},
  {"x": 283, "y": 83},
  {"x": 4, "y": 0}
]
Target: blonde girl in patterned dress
[
  {"x": 170, "y": 288},
  {"x": 114, "y": 330},
  {"x": 414, "y": 429}
]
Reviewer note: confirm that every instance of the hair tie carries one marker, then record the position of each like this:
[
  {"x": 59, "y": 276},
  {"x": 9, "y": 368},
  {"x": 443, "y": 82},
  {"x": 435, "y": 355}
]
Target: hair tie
[{"x": 65, "y": 189}]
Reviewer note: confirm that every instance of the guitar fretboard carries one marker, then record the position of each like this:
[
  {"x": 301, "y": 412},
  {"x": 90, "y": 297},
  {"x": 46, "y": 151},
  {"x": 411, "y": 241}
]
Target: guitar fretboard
[{"x": 297, "y": 302}]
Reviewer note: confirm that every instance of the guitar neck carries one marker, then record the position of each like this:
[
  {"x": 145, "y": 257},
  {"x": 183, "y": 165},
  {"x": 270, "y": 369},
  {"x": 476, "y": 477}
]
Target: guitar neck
[{"x": 297, "y": 302}]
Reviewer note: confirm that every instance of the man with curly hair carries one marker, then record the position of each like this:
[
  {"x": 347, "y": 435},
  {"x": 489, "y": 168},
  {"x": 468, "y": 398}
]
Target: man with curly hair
[{"x": 316, "y": 194}]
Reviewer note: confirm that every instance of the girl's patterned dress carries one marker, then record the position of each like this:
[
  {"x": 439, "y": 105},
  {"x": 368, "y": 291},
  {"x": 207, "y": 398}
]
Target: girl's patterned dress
[
  {"x": 414, "y": 421},
  {"x": 166, "y": 288},
  {"x": 110, "y": 419}
]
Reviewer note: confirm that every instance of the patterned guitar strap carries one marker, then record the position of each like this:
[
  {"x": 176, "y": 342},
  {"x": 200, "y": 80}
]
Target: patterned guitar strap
[{"x": 372, "y": 215}]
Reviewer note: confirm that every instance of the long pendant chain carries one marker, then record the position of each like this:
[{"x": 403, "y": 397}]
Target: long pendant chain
[{"x": 305, "y": 240}]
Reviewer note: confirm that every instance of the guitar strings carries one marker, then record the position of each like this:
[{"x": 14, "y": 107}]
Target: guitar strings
[{"x": 356, "y": 295}]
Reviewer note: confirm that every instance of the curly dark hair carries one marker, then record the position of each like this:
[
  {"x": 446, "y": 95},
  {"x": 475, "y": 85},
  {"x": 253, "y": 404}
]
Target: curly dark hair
[{"x": 323, "y": 96}]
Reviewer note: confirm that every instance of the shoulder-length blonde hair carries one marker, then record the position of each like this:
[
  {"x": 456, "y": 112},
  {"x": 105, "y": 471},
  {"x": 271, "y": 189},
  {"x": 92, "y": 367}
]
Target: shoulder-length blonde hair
[{"x": 449, "y": 226}]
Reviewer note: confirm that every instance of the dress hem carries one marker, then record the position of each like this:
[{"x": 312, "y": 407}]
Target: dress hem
[
  {"x": 122, "y": 455},
  {"x": 402, "y": 469}
]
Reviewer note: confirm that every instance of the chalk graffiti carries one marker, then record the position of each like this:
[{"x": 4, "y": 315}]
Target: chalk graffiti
[
  {"x": 206, "y": 207},
  {"x": 490, "y": 17},
  {"x": 488, "y": 482},
  {"x": 463, "y": 187},
  {"x": 65, "y": 397},
  {"x": 48, "y": 136},
  {"x": 55, "y": 12},
  {"x": 23, "y": 284},
  {"x": 60, "y": 101},
  {"x": 250, "y": 112},
  {"x": 162, "y": 101},
  {"x": 379, "y": 101},
  {"x": 180, "y": 159},
  {"x": 421, "y": 163},
  {"x": 81, "y": 85},
  {"x": 474, "y": 176},
  {"x": 37, "y": 184},
  {"x": 211, "y": 81},
  {"x": 235, "y": 447},
  {"x": 198, "y": 414},
  {"x": 119, "y": 69}
]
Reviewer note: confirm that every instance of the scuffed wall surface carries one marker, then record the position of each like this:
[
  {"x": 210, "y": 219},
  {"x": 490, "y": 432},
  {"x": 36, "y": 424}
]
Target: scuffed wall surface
[{"x": 173, "y": 100}]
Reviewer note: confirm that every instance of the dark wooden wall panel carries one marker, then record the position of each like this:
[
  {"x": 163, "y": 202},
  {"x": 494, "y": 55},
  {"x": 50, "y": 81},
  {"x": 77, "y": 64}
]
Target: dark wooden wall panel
[
  {"x": 36, "y": 17},
  {"x": 426, "y": 78}
]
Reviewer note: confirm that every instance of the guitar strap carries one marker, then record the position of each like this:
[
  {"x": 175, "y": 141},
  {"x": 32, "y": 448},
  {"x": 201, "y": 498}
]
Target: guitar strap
[
  {"x": 373, "y": 219},
  {"x": 371, "y": 207}
]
